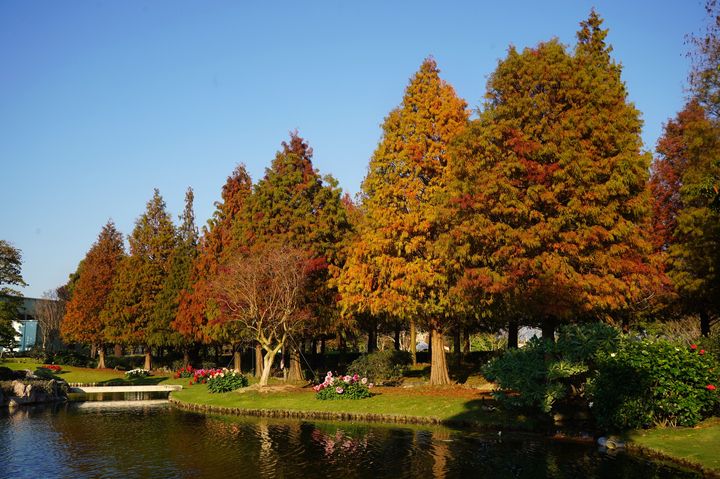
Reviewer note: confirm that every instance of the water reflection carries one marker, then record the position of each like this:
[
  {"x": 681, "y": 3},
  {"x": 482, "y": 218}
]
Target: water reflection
[{"x": 152, "y": 439}]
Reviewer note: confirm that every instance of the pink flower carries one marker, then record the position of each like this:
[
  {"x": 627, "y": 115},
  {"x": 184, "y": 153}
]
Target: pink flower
[
  {"x": 363, "y": 380},
  {"x": 339, "y": 390},
  {"x": 710, "y": 387},
  {"x": 370, "y": 385},
  {"x": 347, "y": 379},
  {"x": 355, "y": 377},
  {"x": 329, "y": 374}
]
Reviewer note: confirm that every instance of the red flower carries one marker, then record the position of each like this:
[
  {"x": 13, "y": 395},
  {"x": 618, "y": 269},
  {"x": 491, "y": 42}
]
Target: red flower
[
  {"x": 693, "y": 346},
  {"x": 710, "y": 387}
]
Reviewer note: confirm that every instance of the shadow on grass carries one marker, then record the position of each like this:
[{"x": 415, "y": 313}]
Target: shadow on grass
[{"x": 486, "y": 413}]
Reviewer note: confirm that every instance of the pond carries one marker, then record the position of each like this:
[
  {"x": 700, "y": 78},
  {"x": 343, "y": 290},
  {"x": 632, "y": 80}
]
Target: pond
[{"x": 127, "y": 439}]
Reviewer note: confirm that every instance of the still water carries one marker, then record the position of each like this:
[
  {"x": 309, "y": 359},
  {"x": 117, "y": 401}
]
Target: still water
[{"x": 138, "y": 439}]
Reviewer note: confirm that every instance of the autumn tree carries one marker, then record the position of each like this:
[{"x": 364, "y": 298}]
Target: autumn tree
[
  {"x": 10, "y": 299},
  {"x": 196, "y": 302},
  {"x": 141, "y": 277},
  {"x": 694, "y": 225},
  {"x": 263, "y": 292},
  {"x": 292, "y": 205},
  {"x": 83, "y": 321},
  {"x": 160, "y": 332},
  {"x": 395, "y": 267},
  {"x": 549, "y": 188}
]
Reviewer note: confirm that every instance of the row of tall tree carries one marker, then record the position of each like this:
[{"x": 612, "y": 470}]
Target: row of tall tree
[{"x": 540, "y": 211}]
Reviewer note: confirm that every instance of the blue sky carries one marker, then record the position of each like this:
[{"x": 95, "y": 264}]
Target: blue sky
[{"x": 100, "y": 102}]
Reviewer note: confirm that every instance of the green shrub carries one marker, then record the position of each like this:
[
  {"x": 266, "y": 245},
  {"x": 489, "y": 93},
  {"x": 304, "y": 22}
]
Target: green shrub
[
  {"x": 343, "y": 387},
  {"x": 654, "y": 382},
  {"x": 381, "y": 367},
  {"x": 226, "y": 380},
  {"x": 540, "y": 374},
  {"x": 68, "y": 358}
]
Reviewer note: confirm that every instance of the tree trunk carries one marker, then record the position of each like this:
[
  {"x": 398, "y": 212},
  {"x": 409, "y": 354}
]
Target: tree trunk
[
  {"x": 267, "y": 366},
  {"x": 93, "y": 351},
  {"x": 513, "y": 334},
  {"x": 397, "y": 338},
  {"x": 704, "y": 323},
  {"x": 258, "y": 360},
  {"x": 372, "y": 337},
  {"x": 295, "y": 373},
  {"x": 466, "y": 342},
  {"x": 148, "y": 358},
  {"x": 456, "y": 346},
  {"x": 118, "y": 350},
  {"x": 430, "y": 342},
  {"x": 548, "y": 329},
  {"x": 438, "y": 365},
  {"x": 101, "y": 357},
  {"x": 322, "y": 345},
  {"x": 237, "y": 364},
  {"x": 413, "y": 342},
  {"x": 186, "y": 357}
]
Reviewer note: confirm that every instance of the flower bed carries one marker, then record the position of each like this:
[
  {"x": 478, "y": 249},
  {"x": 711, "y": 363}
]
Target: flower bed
[
  {"x": 185, "y": 372},
  {"x": 52, "y": 367},
  {"x": 219, "y": 380},
  {"x": 137, "y": 373},
  {"x": 343, "y": 387}
]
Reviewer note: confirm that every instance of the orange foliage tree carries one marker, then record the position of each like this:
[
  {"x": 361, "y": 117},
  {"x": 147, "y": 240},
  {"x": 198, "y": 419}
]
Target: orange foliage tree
[
  {"x": 394, "y": 267},
  {"x": 83, "y": 321}
]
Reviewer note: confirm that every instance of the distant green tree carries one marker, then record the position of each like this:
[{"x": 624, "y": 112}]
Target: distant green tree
[
  {"x": 141, "y": 277},
  {"x": 10, "y": 299},
  {"x": 160, "y": 332}
]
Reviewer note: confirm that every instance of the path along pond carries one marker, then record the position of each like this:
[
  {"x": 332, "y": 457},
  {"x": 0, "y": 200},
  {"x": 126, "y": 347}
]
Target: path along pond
[{"x": 137, "y": 439}]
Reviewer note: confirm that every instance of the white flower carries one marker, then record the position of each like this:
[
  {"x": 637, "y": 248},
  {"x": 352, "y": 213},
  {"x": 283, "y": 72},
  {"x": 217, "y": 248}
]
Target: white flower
[{"x": 612, "y": 355}]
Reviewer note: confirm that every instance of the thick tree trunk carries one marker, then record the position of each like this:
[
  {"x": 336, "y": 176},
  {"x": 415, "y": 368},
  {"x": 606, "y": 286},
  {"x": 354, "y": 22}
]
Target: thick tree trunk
[
  {"x": 438, "y": 365},
  {"x": 258, "y": 360},
  {"x": 548, "y": 329},
  {"x": 466, "y": 341},
  {"x": 397, "y": 338},
  {"x": 148, "y": 358},
  {"x": 267, "y": 366},
  {"x": 513, "y": 334},
  {"x": 413, "y": 342},
  {"x": 704, "y": 323},
  {"x": 101, "y": 357},
  {"x": 118, "y": 350},
  {"x": 186, "y": 357},
  {"x": 237, "y": 362},
  {"x": 295, "y": 373}
]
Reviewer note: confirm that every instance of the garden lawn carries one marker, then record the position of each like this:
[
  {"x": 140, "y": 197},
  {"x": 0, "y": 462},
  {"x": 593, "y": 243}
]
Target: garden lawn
[
  {"x": 454, "y": 404},
  {"x": 698, "y": 445},
  {"x": 74, "y": 374}
]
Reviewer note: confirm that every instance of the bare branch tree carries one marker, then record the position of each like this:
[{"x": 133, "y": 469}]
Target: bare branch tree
[
  {"x": 49, "y": 312},
  {"x": 263, "y": 292}
]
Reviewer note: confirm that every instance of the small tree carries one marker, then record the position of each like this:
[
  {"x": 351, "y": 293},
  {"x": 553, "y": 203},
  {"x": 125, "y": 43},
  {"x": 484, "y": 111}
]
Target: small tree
[
  {"x": 49, "y": 312},
  {"x": 10, "y": 275},
  {"x": 263, "y": 292}
]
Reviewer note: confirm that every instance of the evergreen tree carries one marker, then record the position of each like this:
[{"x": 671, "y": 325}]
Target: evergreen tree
[
  {"x": 293, "y": 206},
  {"x": 141, "y": 277},
  {"x": 549, "y": 189},
  {"x": 395, "y": 267},
  {"x": 83, "y": 321},
  {"x": 160, "y": 333}
]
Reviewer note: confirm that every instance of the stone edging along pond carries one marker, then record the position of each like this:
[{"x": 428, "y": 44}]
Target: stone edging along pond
[{"x": 320, "y": 415}]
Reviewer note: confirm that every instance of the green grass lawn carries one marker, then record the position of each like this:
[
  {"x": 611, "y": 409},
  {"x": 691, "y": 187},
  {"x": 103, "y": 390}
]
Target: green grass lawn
[
  {"x": 73, "y": 374},
  {"x": 455, "y": 404},
  {"x": 699, "y": 445}
]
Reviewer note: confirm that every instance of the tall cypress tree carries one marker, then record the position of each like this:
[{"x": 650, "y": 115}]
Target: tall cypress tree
[
  {"x": 141, "y": 277},
  {"x": 395, "y": 267},
  {"x": 292, "y": 205},
  {"x": 160, "y": 333},
  {"x": 83, "y": 322},
  {"x": 550, "y": 188}
]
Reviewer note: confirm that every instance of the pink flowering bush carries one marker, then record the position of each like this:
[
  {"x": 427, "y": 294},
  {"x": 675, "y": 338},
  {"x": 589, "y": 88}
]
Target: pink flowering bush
[{"x": 343, "y": 387}]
